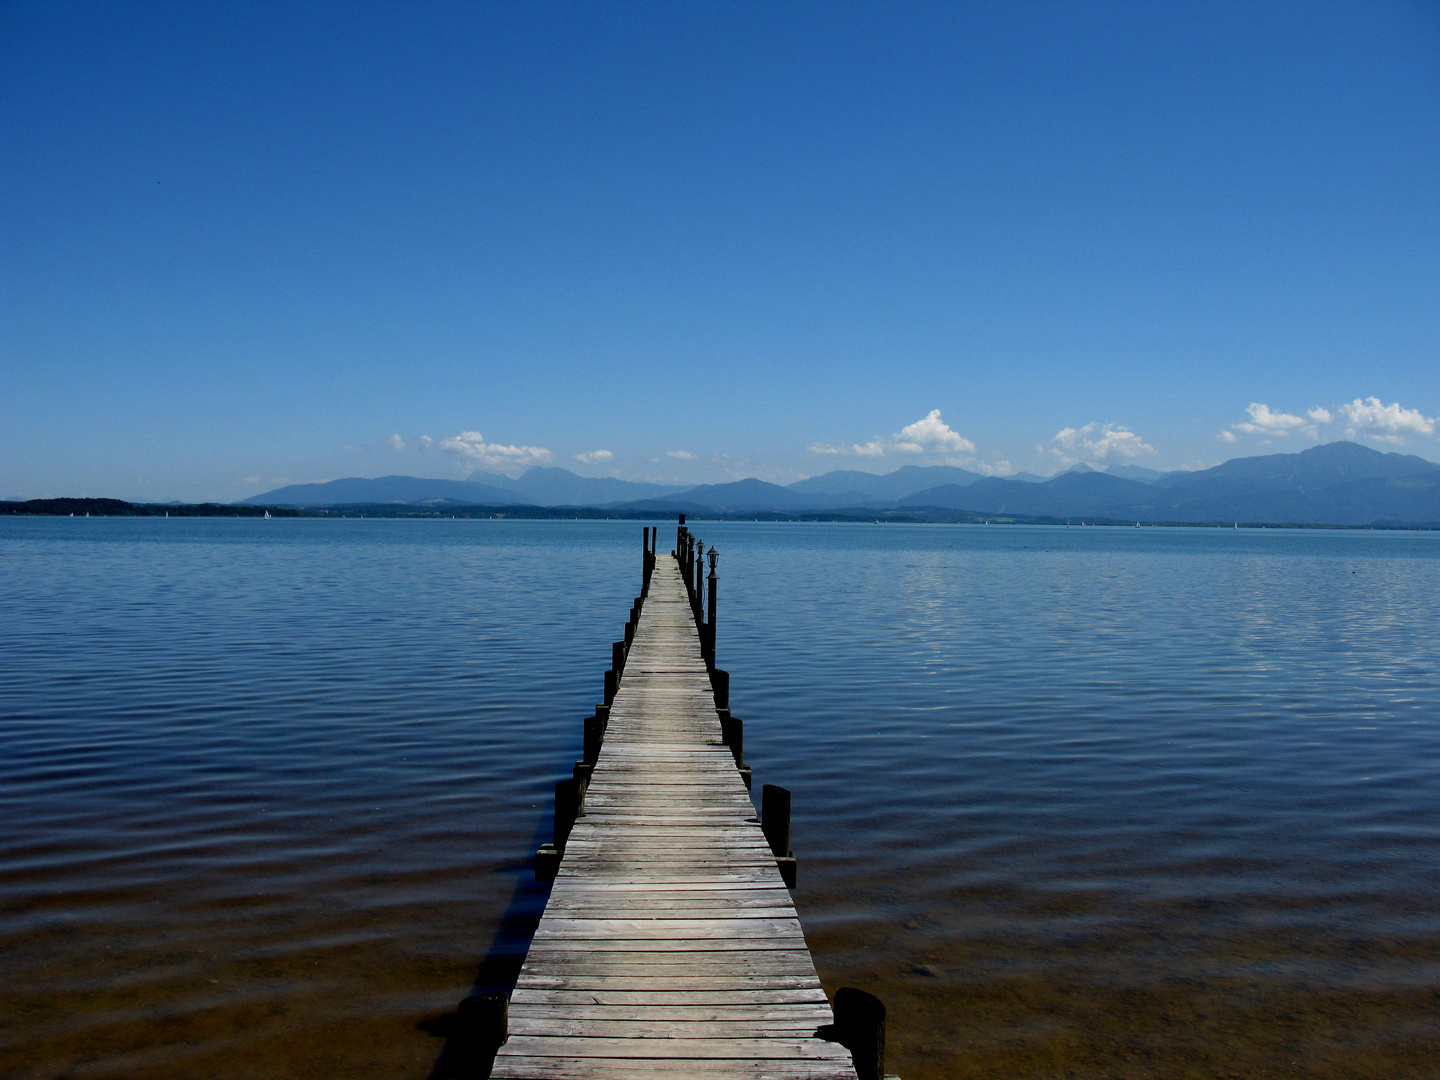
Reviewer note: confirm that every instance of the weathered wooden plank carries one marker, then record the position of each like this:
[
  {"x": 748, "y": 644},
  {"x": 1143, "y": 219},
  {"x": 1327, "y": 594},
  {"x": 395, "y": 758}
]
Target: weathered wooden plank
[
  {"x": 649, "y": 1027},
  {"x": 518, "y": 1067},
  {"x": 678, "y": 945},
  {"x": 810, "y": 1015}
]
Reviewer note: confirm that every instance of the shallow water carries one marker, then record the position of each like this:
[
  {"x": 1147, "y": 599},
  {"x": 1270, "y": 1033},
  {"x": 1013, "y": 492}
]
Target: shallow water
[{"x": 1085, "y": 802}]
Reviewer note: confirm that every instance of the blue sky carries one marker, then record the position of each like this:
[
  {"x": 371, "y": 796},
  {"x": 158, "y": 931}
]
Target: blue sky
[{"x": 250, "y": 244}]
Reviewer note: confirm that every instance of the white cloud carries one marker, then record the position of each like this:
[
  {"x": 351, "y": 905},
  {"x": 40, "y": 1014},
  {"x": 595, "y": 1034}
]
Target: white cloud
[
  {"x": 591, "y": 457},
  {"x": 1265, "y": 421},
  {"x": 867, "y": 450},
  {"x": 994, "y": 468},
  {"x": 399, "y": 445},
  {"x": 1385, "y": 423},
  {"x": 507, "y": 459},
  {"x": 251, "y": 480},
  {"x": 929, "y": 435},
  {"x": 1096, "y": 442},
  {"x": 683, "y": 455},
  {"x": 1367, "y": 417}
]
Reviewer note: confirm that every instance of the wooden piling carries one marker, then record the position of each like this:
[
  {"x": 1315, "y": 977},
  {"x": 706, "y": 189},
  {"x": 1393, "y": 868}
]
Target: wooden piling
[{"x": 860, "y": 1025}]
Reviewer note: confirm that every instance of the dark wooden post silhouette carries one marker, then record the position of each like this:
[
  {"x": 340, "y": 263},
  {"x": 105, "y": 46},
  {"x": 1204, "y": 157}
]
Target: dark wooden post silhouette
[
  {"x": 860, "y": 1027},
  {"x": 775, "y": 824},
  {"x": 710, "y": 624},
  {"x": 697, "y": 596}
]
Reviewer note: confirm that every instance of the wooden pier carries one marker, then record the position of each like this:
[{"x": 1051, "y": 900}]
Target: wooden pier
[{"x": 670, "y": 946}]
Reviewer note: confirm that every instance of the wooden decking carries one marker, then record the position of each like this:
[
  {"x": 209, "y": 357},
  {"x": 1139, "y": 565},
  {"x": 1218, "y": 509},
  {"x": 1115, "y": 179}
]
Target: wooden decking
[{"x": 669, "y": 946}]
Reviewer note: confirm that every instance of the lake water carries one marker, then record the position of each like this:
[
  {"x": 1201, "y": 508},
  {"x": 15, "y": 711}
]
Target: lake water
[{"x": 1074, "y": 802}]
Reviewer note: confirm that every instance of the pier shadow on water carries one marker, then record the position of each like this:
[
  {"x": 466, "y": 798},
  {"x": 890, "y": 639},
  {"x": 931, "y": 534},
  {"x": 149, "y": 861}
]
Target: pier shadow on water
[{"x": 466, "y": 1055}]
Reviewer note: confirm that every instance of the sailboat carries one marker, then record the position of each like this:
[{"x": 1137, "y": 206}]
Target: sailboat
[{"x": 267, "y": 515}]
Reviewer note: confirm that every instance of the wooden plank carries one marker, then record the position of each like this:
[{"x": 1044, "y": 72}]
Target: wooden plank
[
  {"x": 811, "y": 1016},
  {"x": 520, "y": 1067}
]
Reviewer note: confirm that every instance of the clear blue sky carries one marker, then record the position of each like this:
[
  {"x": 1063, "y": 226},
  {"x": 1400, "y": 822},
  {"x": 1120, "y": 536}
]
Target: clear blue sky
[{"x": 246, "y": 244}]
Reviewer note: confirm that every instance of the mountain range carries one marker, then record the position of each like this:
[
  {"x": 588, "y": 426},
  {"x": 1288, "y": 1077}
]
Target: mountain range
[{"x": 1339, "y": 483}]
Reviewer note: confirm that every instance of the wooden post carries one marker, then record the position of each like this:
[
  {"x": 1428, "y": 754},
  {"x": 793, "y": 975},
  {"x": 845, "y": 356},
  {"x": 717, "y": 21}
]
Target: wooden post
[
  {"x": 700, "y": 588},
  {"x": 617, "y": 656},
  {"x": 645, "y": 561},
  {"x": 775, "y": 824},
  {"x": 602, "y": 712},
  {"x": 547, "y": 862},
  {"x": 612, "y": 686},
  {"x": 567, "y": 809},
  {"x": 775, "y": 818},
  {"x": 710, "y": 625},
  {"x": 485, "y": 1020},
  {"x": 594, "y": 736},
  {"x": 732, "y": 734},
  {"x": 720, "y": 683},
  {"x": 860, "y": 1026}
]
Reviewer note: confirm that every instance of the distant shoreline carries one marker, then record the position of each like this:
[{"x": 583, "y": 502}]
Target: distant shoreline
[{"x": 913, "y": 515}]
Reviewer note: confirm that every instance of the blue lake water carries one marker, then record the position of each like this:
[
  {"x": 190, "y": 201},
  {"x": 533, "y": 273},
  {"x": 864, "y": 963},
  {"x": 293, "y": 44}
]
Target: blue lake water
[{"x": 1075, "y": 802}]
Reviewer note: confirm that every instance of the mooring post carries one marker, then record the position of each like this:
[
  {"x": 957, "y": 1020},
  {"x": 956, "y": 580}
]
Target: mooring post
[
  {"x": 617, "y": 656},
  {"x": 567, "y": 809},
  {"x": 612, "y": 686},
  {"x": 547, "y": 862},
  {"x": 594, "y": 736},
  {"x": 860, "y": 1027},
  {"x": 645, "y": 561},
  {"x": 710, "y": 625},
  {"x": 698, "y": 597},
  {"x": 732, "y": 734},
  {"x": 775, "y": 824},
  {"x": 485, "y": 1020},
  {"x": 775, "y": 818}
]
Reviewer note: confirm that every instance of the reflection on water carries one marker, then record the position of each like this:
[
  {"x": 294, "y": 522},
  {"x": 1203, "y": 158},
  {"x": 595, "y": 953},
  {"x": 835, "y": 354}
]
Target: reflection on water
[{"x": 1087, "y": 802}]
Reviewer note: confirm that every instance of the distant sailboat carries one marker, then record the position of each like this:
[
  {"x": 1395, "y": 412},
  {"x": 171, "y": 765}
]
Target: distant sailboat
[{"x": 267, "y": 515}]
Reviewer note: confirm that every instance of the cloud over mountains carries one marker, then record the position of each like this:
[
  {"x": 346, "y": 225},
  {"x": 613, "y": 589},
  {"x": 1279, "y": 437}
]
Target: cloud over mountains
[{"x": 1366, "y": 418}]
